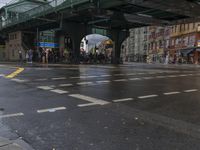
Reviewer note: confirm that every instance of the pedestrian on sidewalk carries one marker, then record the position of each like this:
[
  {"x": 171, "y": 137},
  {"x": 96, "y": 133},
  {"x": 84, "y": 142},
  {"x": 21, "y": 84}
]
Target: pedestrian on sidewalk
[
  {"x": 20, "y": 57},
  {"x": 30, "y": 54},
  {"x": 27, "y": 57}
]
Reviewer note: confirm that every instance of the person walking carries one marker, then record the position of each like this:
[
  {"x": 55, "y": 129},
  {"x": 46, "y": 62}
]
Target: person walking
[
  {"x": 43, "y": 55},
  {"x": 27, "y": 57},
  {"x": 20, "y": 57},
  {"x": 30, "y": 53}
]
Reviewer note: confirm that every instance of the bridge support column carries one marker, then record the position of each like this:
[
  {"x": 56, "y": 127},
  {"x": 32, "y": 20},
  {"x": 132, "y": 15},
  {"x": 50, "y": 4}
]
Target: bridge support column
[
  {"x": 118, "y": 36},
  {"x": 76, "y": 32}
]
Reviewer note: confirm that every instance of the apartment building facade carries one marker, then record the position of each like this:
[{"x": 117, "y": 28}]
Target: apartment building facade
[
  {"x": 185, "y": 43},
  {"x": 158, "y": 43},
  {"x": 134, "y": 48}
]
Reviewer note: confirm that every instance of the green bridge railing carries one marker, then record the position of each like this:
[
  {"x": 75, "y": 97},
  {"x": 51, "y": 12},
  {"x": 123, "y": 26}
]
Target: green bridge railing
[{"x": 41, "y": 10}]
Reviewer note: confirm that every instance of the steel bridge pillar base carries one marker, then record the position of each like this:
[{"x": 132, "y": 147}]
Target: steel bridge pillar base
[
  {"x": 76, "y": 32},
  {"x": 118, "y": 36}
]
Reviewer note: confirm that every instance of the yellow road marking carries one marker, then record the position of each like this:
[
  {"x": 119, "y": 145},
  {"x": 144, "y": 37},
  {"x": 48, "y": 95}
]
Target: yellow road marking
[{"x": 15, "y": 73}]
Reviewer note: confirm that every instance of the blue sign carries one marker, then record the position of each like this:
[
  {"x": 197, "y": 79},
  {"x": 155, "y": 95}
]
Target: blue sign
[{"x": 48, "y": 45}]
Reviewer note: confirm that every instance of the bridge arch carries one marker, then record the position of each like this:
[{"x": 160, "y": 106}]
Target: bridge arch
[{"x": 96, "y": 48}]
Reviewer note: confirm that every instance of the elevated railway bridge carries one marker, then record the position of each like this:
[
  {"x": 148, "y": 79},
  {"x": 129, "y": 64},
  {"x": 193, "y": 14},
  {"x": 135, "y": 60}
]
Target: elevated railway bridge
[{"x": 78, "y": 18}]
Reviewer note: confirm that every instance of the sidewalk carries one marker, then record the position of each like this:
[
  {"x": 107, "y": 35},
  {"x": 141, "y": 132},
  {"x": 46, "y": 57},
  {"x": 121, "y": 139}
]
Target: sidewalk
[
  {"x": 161, "y": 64},
  {"x": 36, "y": 64},
  {"x": 11, "y": 141}
]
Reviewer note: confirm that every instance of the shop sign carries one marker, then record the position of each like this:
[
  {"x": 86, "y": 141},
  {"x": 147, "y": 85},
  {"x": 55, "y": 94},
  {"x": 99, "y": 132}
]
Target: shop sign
[{"x": 48, "y": 45}]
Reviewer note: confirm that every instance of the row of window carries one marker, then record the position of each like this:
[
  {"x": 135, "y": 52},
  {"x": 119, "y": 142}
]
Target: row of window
[
  {"x": 188, "y": 41},
  {"x": 184, "y": 27}
]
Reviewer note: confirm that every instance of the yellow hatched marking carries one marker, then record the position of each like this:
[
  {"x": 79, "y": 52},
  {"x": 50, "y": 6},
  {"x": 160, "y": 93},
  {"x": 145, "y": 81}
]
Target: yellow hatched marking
[{"x": 15, "y": 73}]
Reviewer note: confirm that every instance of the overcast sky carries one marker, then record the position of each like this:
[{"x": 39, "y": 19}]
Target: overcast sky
[
  {"x": 3, "y": 2},
  {"x": 95, "y": 39}
]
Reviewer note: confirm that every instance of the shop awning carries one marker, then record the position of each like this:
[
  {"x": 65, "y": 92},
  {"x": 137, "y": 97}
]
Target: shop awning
[{"x": 185, "y": 52}]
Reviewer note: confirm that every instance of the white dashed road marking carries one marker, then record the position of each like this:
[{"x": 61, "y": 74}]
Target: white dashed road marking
[
  {"x": 134, "y": 79},
  {"x": 85, "y": 83},
  {"x": 60, "y": 78},
  {"x": 120, "y": 80},
  {"x": 59, "y": 91},
  {"x": 103, "y": 81},
  {"x": 172, "y": 76},
  {"x": 65, "y": 85},
  {"x": 51, "y": 109},
  {"x": 74, "y": 77},
  {"x": 171, "y": 93},
  {"x": 182, "y": 75},
  {"x": 147, "y": 96},
  {"x": 105, "y": 75},
  {"x": 119, "y": 74},
  {"x": 45, "y": 87},
  {"x": 192, "y": 90},
  {"x": 91, "y": 76},
  {"x": 160, "y": 76},
  {"x": 131, "y": 74},
  {"x": 19, "y": 80},
  {"x": 123, "y": 100},
  {"x": 41, "y": 79},
  {"x": 148, "y": 78},
  {"x": 90, "y": 99},
  {"x": 86, "y": 105},
  {"x": 11, "y": 115}
]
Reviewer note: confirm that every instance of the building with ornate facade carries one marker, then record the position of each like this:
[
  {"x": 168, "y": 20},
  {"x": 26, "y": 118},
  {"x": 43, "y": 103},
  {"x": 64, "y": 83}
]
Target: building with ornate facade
[
  {"x": 158, "y": 43},
  {"x": 134, "y": 48},
  {"x": 185, "y": 43}
]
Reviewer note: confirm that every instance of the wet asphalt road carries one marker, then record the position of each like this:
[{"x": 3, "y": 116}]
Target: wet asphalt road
[{"x": 88, "y": 107}]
